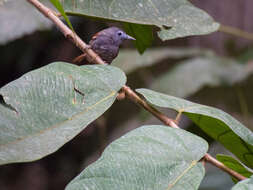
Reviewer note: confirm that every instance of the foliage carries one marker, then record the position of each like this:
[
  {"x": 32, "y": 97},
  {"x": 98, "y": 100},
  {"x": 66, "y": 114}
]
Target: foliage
[
  {"x": 174, "y": 18},
  {"x": 234, "y": 164},
  {"x": 19, "y": 18},
  {"x": 42, "y": 111},
  {"x": 150, "y": 157},
  {"x": 246, "y": 184},
  {"x": 219, "y": 125},
  {"x": 201, "y": 71},
  {"x": 59, "y": 7}
]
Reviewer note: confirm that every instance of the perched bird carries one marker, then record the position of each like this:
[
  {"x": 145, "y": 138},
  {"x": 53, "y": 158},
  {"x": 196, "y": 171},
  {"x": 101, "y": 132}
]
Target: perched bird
[{"x": 106, "y": 44}]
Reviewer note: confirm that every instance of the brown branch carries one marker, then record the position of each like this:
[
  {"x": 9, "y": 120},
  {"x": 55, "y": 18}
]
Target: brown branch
[
  {"x": 208, "y": 158},
  {"x": 220, "y": 165},
  {"x": 236, "y": 32},
  {"x": 130, "y": 94},
  {"x": 68, "y": 33}
]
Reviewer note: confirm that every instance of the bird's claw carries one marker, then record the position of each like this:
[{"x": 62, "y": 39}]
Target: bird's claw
[{"x": 88, "y": 46}]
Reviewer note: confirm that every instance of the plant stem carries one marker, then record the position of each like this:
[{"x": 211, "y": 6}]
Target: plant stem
[
  {"x": 167, "y": 121},
  {"x": 130, "y": 94},
  {"x": 220, "y": 165},
  {"x": 236, "y": 32},
  {"x": 66, "y": 31}
]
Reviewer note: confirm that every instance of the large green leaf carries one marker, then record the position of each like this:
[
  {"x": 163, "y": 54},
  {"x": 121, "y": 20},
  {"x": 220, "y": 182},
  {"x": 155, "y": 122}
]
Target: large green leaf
[
  {"x": 180, "y": 15},
  {"x": 41, "y": 113},
  {"x": 129, "y": 60},
  {"x": 188, "y": 21},
  {"x": 142, "y": 33},
  {"x": 233, "y": 164},
  {"x": 219, "y": 125},
  {"x": 150, "y": 157},
  {"x": 197, "y": 72},
  {"x": 246, "y": 184},
  {"x": 19, "y": 18}
]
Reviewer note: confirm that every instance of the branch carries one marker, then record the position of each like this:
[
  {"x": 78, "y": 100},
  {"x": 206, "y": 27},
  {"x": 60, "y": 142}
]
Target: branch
[
  {"x": 236, "y": 32},
  {"x": 130, "y": 94},
  {"x": 167, "y": 121},
  {"x": 220, "y": 165},
  {"x": 68, "y": 33}
]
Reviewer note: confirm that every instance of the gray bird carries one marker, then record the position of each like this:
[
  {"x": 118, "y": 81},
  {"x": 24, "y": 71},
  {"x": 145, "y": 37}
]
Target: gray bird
[{"x": 106, "y": 44}]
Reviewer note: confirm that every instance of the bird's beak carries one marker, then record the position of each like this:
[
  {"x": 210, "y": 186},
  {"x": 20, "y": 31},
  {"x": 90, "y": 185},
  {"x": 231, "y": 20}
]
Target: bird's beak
[{"x": 130, "y": 37}]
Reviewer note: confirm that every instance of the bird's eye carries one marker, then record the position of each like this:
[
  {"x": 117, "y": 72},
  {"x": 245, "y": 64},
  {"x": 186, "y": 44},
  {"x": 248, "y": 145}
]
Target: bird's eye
[{"x": 119, "y": 33}]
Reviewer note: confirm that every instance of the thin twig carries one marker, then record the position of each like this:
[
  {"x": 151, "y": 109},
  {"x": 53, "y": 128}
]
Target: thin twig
[
  {"x": 236, "y": 32},
  {"x": 220, "y": 165},
  {"x": 135, "y": 98},
  {"x": 68, "y": 33},
  {"x": 208, "y": 158},
  {"x": 128, "y": 91}
]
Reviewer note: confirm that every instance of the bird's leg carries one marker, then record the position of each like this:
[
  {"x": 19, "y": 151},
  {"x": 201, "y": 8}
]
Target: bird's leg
[
  {"x": 92, "y": 60},
  {"x": 76, "y": 90},
  {"x": 88, "y": 46},
  {"x": 81, "y": 57}
]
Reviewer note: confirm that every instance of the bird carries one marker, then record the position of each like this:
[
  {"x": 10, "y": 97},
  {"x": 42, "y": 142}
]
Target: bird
[{"x": 106, "y": 44}]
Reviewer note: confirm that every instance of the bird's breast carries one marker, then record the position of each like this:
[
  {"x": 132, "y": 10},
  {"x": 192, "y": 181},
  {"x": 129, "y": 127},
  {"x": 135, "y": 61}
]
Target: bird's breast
[{"x": 107, "y": 52}]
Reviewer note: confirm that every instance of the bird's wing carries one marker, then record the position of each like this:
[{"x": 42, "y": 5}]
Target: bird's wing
[
  {"x": 94, "y": 37},
  {"x": 79, "y": 59},
  {"x": 99, "y": 41}
]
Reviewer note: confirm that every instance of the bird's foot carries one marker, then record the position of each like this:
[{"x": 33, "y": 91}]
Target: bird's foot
[{"x": 88, "y": 46}]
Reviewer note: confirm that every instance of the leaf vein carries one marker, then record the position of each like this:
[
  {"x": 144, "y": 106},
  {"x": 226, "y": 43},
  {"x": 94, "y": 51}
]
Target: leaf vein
[{"x": 193, "y": 163}]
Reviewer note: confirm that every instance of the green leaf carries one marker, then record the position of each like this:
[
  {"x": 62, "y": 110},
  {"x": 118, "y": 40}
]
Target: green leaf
[
  {"x": 19, "y": 18},
  {"x": 219, "y": 125},
  {"x": 188, "y": 21},
  {"x": 233, "y": 164},
  {"x": 246, "y": 56},
  {"x": 41, "y": 113},
  {"x": 59, "y": 7},
  {"x": 246, "y": 184},
  {"x": 150, "y": 157},
  {"x": 210, "y": 70},
  {"x": 129, "y": 60},
  {"x": 142, "y": 33},
  {"x": 180, "y": 16}
]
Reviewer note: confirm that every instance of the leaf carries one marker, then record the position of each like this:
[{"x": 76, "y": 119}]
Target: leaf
[
  {"x": 215, "y": 179},
  {"x": 19, "y": 18},
  {"x": 40, "y": 113},
  {"x": 246, "y": 184},
  {"x": 142, "y": 33},
  {"x": 188, "y": 21},
  {"x": 201, "y": 71},
  {"x": 233, "y": 164},
  {"x": 59, "y": 7},
  {"x": 219, "y": 125},
  {"x": 150, "y": 157},
  {"x": 246, "y": 56},
  {"x": 180, "y": 15},
  {"x": 129, "y": 60}
]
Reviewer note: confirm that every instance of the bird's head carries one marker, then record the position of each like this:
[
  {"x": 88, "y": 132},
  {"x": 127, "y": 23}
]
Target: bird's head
[{"x": 118, "y": 35}]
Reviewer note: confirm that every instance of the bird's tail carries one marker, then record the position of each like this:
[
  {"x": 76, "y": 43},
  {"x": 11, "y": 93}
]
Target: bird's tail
[{"x": 78, "y": 60}]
